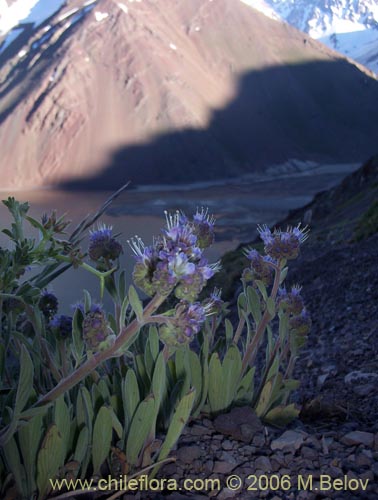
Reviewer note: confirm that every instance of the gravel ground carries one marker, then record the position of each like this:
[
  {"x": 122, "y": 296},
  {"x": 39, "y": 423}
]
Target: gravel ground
[{"x": 334, "y": 443}]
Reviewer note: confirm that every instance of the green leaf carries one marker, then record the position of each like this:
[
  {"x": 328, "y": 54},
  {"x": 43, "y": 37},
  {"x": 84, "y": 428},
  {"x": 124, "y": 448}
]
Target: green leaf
[
  {"x": 159, "y": 380},
  {"x": 153, "y": 342},
  {"x": 271, "y": 307},
  {"x": 117, "y": 426},
  {"x": 102, "y": 437},
  {"x": 262, "y": 288},
  {"x": 33, "y": 412},
  {"x": 254, "y": 304},
  {"x": 82, "y": 445},
  {"x": 281, "y": 415},
  {"x": 283, "y": 274},
  {"x": 283, "y": 327},
  {"x": 25, "y": 384},
  {"x": 264, "y": 400},
  {"x": 136, "y": 303},
  {"x": 104, "y": 389},
  {"x": 229, "y": 330},
  {"x": 139, "y": 429},
  {"x": 130, "y": 397},
  {"x": 215, "y": 394},
  {"x": 84, "y": 409},
  {"x": 196, "y": 377},
  {"x": 122, "y": 314},
  {"x": 122, "y": 287},
  {"x": 231, "y": 371},
  {"x": 87, "y": 301},
  {"x": 63, "y": 422},
  {"x": 179, "y": 420},
  {"x": 246, "y": 386},
  {"x": 30, "y": 437},
  {"x": 50, "y": 459},
  {"x": 13, "y": 460},
  {"x": 242, "y": 303}
]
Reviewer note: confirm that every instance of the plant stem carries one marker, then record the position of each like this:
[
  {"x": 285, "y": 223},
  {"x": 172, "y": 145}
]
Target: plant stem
[
  {"x": 251, "y": 350},
  {"x": 92, "y": 363}
]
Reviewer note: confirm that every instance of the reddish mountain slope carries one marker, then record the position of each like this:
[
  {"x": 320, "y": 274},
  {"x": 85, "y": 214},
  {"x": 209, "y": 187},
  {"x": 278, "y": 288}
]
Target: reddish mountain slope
[{"x": 169, "y": 91}]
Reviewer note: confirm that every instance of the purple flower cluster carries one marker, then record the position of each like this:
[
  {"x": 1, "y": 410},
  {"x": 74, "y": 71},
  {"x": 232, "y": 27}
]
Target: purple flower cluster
[
  {"x": 299, "y": 319},
  {"x": 185, "y": 324},
  {"x": 48, "y": 304},
  {"x": 96, "y": 331},
  {"x": 261, "y": 268},
  {"x": 175, "y": 258},
  {"x": 102, "y": 245},
  {"x": 62, "y": 325},
  {"x": 283, "y": 244},
  {"x": 292, "y": 301}
]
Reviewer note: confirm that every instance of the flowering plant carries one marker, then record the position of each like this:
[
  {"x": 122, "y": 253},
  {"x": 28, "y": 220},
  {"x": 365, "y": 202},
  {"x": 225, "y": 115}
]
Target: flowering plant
[{"x": 118, "y": 379}]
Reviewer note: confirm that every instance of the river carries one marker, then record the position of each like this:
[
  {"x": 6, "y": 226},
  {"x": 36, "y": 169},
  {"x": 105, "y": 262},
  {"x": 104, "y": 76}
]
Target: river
[{"x": 238, "y": 205}]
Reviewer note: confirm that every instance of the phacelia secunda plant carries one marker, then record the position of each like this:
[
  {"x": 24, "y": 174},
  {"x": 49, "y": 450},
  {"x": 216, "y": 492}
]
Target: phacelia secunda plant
[
  {"x": 175, "y": 260},
  {"x": 117, "y": 377}
]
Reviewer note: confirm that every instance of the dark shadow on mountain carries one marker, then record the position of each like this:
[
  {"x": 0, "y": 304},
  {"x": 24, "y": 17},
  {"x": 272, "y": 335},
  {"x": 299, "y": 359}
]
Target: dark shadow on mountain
[
  {"x": 22, "y": 80},
  {"x": 327, "y": 112}
]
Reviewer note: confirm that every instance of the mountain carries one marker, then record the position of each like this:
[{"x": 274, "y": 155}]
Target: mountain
[
  {"x": 349, "y": 26},
  {"x": 169, "y": 91}
]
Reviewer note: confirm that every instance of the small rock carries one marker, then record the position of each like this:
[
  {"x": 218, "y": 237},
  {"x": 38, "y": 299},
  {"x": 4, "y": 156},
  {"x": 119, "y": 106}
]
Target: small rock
[
  {"x": 359, "y": 377},
  {"x": 263, "y": 463},
  {"x": 362, "y": 460},
  {"x": 290, "y": 440},
  {"x": 358, "y": 437},
  {"x": 227, "y": 445},
  {"x": 309, "y": 453},
  {"x": 240, "y": 423},
  {"x": 187, "y": 454},
  {"x": 198, "y": 430},
  {"x": 258, "y": 441},
  {"x": 226, "y": 493},
  {"x": 223, "y": 467}
]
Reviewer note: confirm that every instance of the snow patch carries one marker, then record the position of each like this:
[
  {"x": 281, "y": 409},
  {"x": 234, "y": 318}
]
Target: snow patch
[
  {"x": 28, "y": 11},
  {"x": 123, "y": 7},
  {"x": 100, "y": 16},
  {"x": 263, "y": 7}
]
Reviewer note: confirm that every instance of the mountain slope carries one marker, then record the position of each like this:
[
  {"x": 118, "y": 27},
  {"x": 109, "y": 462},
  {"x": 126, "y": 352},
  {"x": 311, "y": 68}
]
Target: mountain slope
[{"x": 171, "y": 91}]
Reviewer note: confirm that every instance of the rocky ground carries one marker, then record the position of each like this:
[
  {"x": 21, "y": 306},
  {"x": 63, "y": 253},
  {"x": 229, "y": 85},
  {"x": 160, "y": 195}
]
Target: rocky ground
[{"x": 334, "y": 443}]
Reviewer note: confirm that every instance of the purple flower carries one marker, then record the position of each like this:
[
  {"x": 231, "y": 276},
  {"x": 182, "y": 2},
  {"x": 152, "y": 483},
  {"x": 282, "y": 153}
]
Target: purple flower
[
  {"x": 185, "y": 324},
  {"x": 96, "y": 331},
  {"x": 102, "y": 246},
  {"x": 291, "y": 302},
  {"x": 203, "y": 225},
  {"x": 174, "y": 259},
  {"x": 180, "y": 266},
  {"x": 261, "y": 268},
  {"x": 299, "y": 327},
  {"x": 283, "y": 244},
  {"x": 48, "y": 304},
  {"x": 62, "y": 325}
]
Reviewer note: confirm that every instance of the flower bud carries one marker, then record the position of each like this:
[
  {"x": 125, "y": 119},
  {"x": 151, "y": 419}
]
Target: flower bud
[
  {"x": 291, "y": 302},
  {"x": 48, "y": 304},
  {"x": 96, "y": 331},
  {"x": 62, "y": 326},
  {"x": 203, "y": 228},
  {"x": 185, "y": 324},
  {"x": 283, "y": 244},
  {"x": 260, "y": 268},
  {"x": 102, "y": 245}
]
